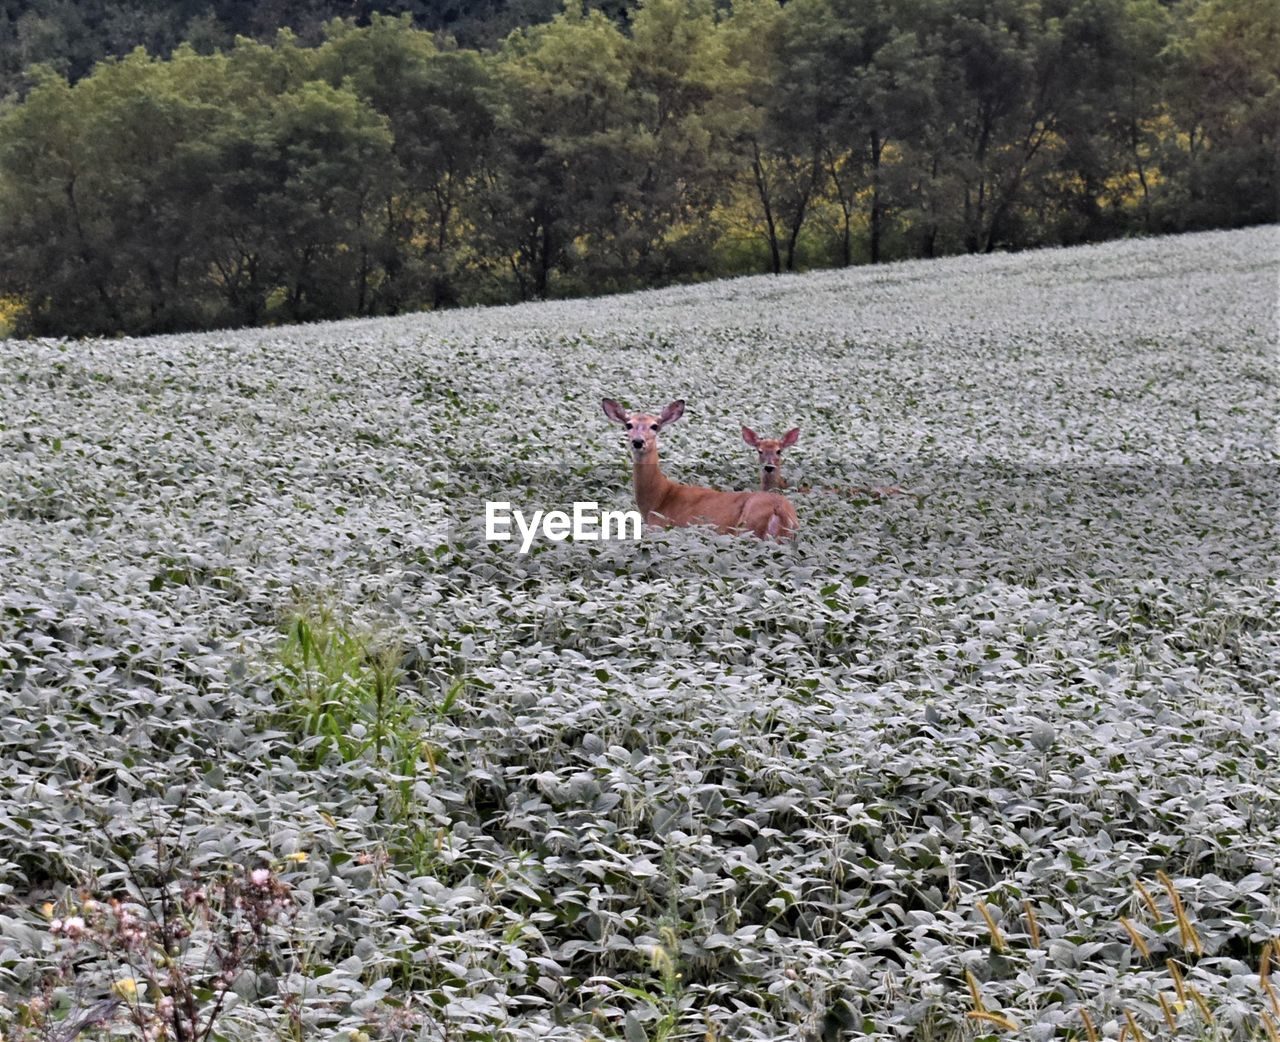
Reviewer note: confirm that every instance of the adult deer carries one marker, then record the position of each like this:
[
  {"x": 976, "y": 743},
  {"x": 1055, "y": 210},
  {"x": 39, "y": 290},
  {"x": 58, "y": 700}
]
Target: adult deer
[
  {"x": 771, "y": 479},
  {"x": 668, "y": 503}
]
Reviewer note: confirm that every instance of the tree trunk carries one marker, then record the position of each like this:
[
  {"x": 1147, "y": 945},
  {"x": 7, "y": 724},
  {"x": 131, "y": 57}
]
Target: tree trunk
[
  {"x": 1035, "y": 137},
  {"x": 1135, "y": 139},
  {"x": 975, "y": 210},
  {"x": 156, "y": 305},
  {"x": 254, "y": 309},
  {"x": 762, "y": 188},
  {"x": 87, "y": 256},
  {"x": 802, "y": 208},
  {"x": 847, "y": 202},
  {"x": 931, "y": 234},
  {"x": 877, "y": 210},
  {"x": 543, "y": 272},
  {"x": 362, "y": 294}
]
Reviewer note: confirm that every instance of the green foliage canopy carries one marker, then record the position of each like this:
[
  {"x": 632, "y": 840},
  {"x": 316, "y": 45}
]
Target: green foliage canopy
[{"x": 380, "y": 168}]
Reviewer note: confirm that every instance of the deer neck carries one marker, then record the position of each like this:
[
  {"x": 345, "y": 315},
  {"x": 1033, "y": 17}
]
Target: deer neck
[
  {"x": 651, "y": 484},
  {"x": 772, "y": 481}
]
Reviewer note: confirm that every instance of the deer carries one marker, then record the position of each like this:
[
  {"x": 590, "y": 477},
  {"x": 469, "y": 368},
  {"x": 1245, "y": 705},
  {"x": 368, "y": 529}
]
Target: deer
[
  {"x": 669, "y": 504},
  {"x": 770, "y": 450}
]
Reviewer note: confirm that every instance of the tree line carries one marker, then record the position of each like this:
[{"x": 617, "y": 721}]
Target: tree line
[
  {"x": 384, "y": 168},
  {"x": 73, "y": 35}
]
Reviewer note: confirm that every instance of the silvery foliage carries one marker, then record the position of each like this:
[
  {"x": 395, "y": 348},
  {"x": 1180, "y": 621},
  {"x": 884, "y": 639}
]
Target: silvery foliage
[{"x": 699, "y": 780}]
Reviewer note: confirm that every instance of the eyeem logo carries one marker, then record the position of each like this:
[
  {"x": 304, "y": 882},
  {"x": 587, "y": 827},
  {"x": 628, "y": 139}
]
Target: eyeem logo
[{"x": 588, "y": 524}]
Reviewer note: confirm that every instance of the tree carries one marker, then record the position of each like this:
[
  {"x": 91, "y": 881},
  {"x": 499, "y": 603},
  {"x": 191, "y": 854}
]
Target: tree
[
  {"x": 52, "y": 237},
  {"x": 567, "y": 159},
  {"x": 98, "y": 181},
  {"x": 677, "y": 68},
  {"x": 1224, "y": 98},
  {"x": 155, "y": 196},
  {"x": 440, "y": 107},
  {"x": 1006, "y": 67},
  {"x": 862, "y": 87},
  {"x": 1122, "y": 105},
  {"x": 314, "y": 159},
  {"x": 782, "y": 160}
]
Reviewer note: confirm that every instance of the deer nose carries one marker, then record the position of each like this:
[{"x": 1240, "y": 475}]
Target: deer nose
[
  {"x": 637, "y": 443},
  {"x": 769, "y": 466}
]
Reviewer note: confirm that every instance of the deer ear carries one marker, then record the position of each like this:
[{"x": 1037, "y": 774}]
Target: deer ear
[
  {"x": 613, "y": 410},
  {"x": 749, "y": 436},
  {"x": 791, "y": 437},
  {"x": 672, "y": 412}
]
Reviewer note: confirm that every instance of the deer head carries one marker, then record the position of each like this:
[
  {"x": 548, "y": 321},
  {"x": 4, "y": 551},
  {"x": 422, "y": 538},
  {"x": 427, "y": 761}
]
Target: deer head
[
  {"x": 770, "y": 453},
  {"x": 642, "y": 427}
]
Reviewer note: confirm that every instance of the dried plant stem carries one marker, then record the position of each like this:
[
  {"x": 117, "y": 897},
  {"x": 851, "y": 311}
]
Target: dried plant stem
[
  {"x": 1264, "y": 975},
  {"x": 997, "y": 938},
  {"x": 1201, "y": 1005},
  {"x": 1136, "y": 937},
  {"x": 993, "y": 1018},
  {"x": 1150, "y": 902},
  {"x": 1178, "y": 985},
  {"x": 1033, "y": 928},
  {"x": 974, "y": 992},
  {"x": 1187, "y": 932}
]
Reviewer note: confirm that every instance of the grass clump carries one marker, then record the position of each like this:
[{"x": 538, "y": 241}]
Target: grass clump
[{"x": 337, "y": 688}]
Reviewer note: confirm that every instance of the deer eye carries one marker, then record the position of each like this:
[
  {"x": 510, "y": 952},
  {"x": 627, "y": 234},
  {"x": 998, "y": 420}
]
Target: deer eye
[
  {"x": 653, "y": 426},
  {"x": 629, "y": 426}
]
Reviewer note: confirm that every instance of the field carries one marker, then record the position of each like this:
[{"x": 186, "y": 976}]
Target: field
[{"x": 995, "y": 758}]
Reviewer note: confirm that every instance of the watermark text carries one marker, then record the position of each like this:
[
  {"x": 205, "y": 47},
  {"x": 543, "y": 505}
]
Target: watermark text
[{"x": 587, "y": 523}]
